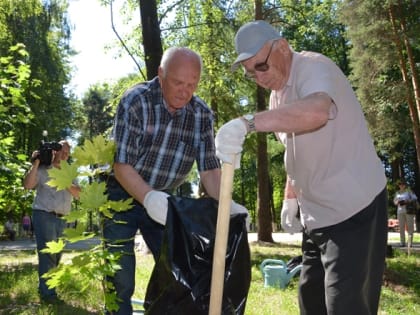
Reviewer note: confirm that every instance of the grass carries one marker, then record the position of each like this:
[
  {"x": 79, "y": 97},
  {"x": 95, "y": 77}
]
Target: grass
[
  {"x": 18, "y": 285},
  {"x": 395, "y": 237}
]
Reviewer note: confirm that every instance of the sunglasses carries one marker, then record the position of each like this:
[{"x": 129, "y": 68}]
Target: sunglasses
[{"x": 261, "y": 66}]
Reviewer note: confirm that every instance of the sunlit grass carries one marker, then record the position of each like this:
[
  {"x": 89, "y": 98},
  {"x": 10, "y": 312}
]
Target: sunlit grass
[
  {"x": 18, "y": 285},
  {"x": 267, "y": 300},
  {"x": 395, "y": 237}
]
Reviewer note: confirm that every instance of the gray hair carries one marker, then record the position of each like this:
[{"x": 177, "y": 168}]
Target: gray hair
[{"x": 172, "y": 52}]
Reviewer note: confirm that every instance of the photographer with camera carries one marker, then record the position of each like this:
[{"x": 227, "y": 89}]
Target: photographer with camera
[
  {"x": 403, "y": 197},
  {"x": 49, "y": 206}
]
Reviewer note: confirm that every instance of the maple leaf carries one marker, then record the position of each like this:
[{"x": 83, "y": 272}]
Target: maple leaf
[
  {"x": 54, "y": 247},
  {"x": 77, "y": 234},
  {"x": 121, "y": 205},
  {"x": 93, "y": 196},
  {"x": 63, "y": 177},
  {"x": 75, "y": 215},
  {"x": 54, "y": 277},
  {"x": 98, "y": 151}
]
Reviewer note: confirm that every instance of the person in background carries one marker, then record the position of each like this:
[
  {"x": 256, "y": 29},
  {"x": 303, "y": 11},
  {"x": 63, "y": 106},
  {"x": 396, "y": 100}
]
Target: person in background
[
  {"x": 48, "y": 209},
  {"x": 405, "y": 220},
  {"x": 160, "y": 130},
  {"x": 9, "y": 228},
  {"x": 334, "y": 175},
  {"x": 26, "y": 225}
]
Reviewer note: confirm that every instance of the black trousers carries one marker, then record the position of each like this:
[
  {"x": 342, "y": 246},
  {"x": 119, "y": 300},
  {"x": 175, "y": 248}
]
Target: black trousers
[{"x": 343, "y": 264}]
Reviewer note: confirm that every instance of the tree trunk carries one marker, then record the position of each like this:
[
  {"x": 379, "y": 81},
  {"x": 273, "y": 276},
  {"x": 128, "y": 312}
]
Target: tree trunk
[
  {"x": 411, "y": 61},
  {"x": 263, "y": 200},
  {"x": 151, "y": 37},
  {"x": 412, "y": 107},
  {"x": 414, "y": 83}
]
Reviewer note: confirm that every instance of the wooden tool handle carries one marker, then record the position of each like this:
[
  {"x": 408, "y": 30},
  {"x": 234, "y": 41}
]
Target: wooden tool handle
[{"x": 220, "y": 244}]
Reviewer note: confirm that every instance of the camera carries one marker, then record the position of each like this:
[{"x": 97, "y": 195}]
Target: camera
[{"x": 45, "y": 150}]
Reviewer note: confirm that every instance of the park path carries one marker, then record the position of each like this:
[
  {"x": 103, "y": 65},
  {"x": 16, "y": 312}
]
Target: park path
[{"x": 28, "y": 244}]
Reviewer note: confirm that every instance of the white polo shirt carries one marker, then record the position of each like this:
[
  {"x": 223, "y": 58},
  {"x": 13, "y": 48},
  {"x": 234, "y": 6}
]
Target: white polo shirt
[{"x": 335, "y": 170}]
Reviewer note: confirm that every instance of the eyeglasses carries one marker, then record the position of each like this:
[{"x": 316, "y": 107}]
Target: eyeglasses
[{"x": 261, "y": 66}]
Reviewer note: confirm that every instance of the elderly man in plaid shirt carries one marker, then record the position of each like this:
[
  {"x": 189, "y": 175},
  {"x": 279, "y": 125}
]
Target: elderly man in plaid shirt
[{"x": 161, "y": 129}]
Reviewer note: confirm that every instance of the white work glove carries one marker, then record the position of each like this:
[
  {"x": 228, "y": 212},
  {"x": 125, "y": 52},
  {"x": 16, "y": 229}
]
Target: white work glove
[
  {"x": 156, "y": 204},
  {"x": 229, "y": 141},
  {"x": 289, "y": 222},
  {"x": 236, "y": 208}
]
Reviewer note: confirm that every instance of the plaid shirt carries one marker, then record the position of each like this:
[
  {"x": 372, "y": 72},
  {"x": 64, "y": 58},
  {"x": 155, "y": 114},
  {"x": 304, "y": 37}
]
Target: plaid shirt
[{"x": 161, "y": 146}]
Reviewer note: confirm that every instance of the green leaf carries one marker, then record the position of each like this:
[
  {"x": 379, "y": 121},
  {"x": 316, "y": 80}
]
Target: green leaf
[
  {"x": 54, "y": 247},
  {"x": 63, "y": 177},
  {"x": 77, "y": 234},
  {"x": 99, "y": 151},
  {"x": 121, "y": 205},
  {"x": 93, "y": 196},
  {"x": 55, "y": 277},
  {"x": 75, "y": 215}
]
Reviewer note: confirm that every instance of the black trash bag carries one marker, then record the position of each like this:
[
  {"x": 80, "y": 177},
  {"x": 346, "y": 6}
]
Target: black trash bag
[
  {"x": 181, "y": 279},
  {"x": 294, "y": 262}
]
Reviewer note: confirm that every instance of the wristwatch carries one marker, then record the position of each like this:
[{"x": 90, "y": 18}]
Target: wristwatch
[{"x": 249, "y": 118}]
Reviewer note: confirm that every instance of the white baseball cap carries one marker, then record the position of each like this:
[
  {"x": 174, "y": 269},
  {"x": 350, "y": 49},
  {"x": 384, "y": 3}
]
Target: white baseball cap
[{"x": 250, "y": 38}]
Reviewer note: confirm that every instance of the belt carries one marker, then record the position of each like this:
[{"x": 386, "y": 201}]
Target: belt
[
  {"x": 58, "y": 215},
  {"x": 111, "y": 181}
]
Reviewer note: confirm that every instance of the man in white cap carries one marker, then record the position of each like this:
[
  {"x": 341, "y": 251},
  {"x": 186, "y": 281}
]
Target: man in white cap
[{"x": 333, "y": 172}]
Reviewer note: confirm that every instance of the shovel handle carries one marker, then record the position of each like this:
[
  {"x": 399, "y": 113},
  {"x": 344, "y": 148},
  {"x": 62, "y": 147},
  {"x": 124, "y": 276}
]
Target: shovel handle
[{"x": 222, "y": 232}]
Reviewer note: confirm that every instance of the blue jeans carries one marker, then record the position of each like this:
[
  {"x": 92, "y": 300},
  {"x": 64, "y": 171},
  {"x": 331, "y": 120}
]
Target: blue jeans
[
  {"x": 119, "y": 233},
  {"x": 47, "y": 227}
]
